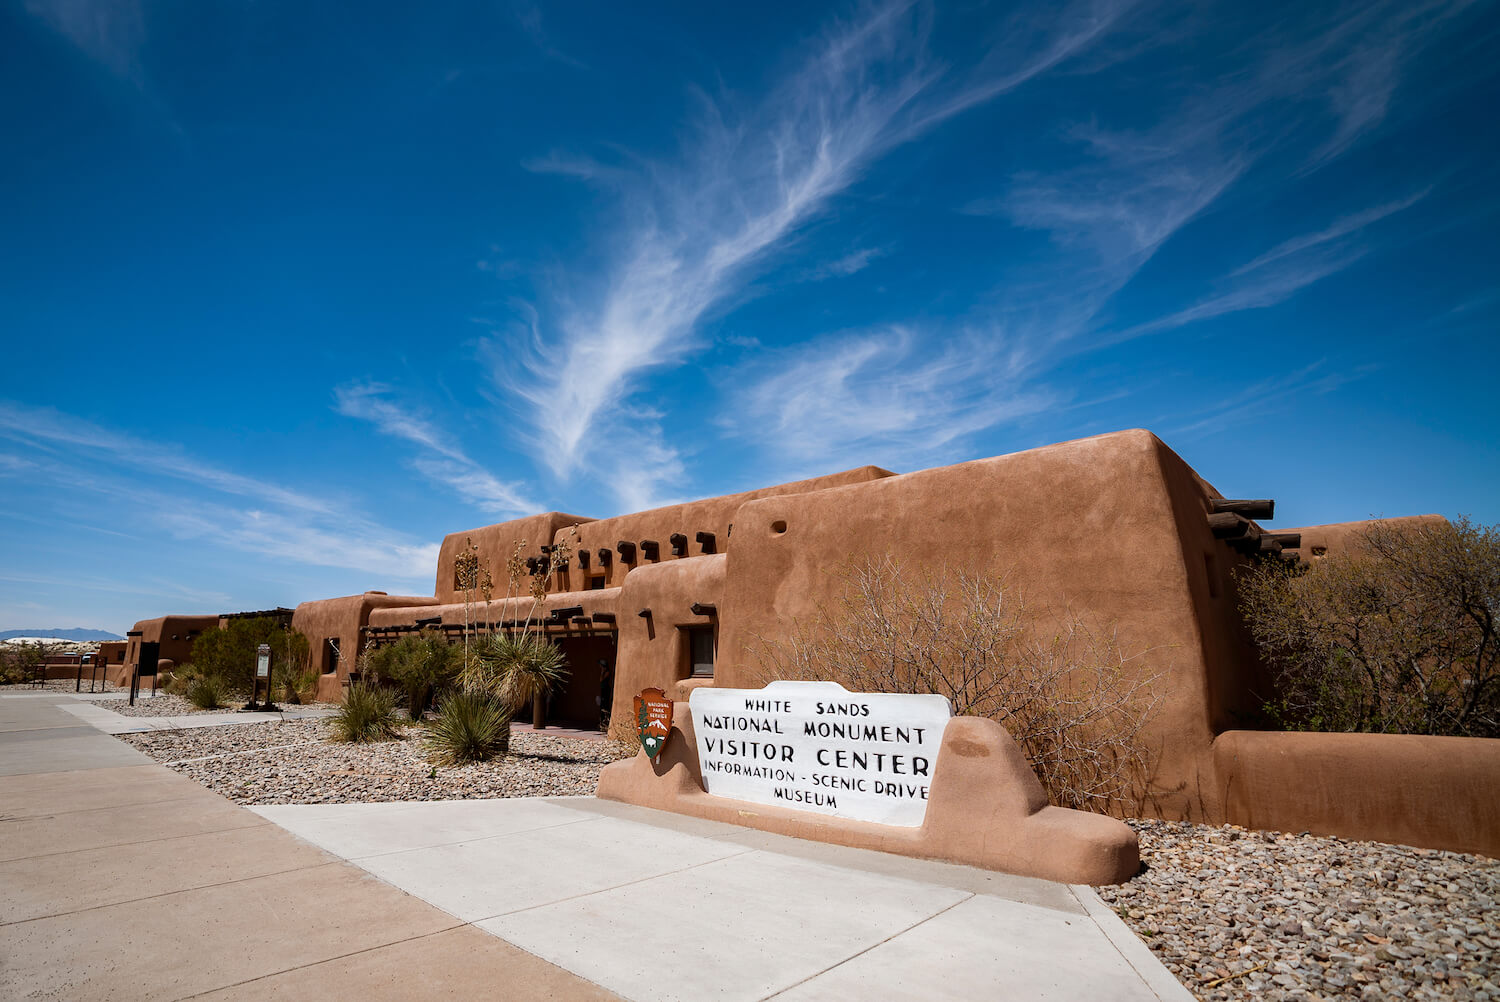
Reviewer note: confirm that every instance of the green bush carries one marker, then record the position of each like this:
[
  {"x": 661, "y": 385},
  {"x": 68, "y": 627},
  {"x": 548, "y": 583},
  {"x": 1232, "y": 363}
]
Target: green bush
[
  {"x": 1395, "y": 633},
  {"x": 230, "y": 653},
  {"x": 367, "y": 713},
  {"x": 469, "y": 727},
  {"x": 207, "y": 692},
  {"x": 421, "y": 663}
]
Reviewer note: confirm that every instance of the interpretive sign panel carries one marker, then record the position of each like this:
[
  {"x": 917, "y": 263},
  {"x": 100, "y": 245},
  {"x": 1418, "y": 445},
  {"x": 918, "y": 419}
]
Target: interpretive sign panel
[{"x": 816, "y": 746}]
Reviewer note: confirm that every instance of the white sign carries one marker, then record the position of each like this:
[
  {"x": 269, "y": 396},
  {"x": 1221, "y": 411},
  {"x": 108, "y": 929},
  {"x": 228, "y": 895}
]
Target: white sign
[{"x": 816, "y": 746}]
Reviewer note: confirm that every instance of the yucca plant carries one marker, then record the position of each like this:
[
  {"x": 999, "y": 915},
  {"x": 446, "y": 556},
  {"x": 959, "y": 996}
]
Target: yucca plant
[
  {"x": 469, "y": 727},
  {"x": 367, "y": 713},
  {"x": 516, "y": 668}
]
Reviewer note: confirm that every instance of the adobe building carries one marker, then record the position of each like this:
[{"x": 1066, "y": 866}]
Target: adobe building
[
  {"x": 1116, "y": 529},
  {"x": 174, "y": 636}
]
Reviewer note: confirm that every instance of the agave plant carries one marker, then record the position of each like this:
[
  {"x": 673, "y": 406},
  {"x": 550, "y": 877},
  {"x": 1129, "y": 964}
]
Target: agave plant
[
  {"x": 469, "y": 727},
  {"x": 367, "y": 713},
  {"x": 517, "y": 668}
]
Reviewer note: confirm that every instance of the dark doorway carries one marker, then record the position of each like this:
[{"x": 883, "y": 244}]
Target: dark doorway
[{"x": 591, "y": 666}]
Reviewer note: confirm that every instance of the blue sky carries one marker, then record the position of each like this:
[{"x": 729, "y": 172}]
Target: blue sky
[{"x": 289, "y": 291}]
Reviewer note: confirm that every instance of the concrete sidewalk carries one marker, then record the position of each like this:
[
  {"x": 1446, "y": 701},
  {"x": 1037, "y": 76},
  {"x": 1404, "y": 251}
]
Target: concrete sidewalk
[
  {"x": 657, "y": 906},
  {"x": 110, "y": 722},
  {"x": 124, "y": 880}
]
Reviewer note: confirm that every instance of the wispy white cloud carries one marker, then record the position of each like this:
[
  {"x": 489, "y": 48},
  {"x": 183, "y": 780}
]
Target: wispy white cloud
[
  {"x": 206, "y": 504},
  {"x": 108, "y": 31},
  {"x": 895, "y": 394},
  {"x": 746, "y": 186},
  {"x": 1333, "y": 233},
  {"x": 1261, "y": 397},
  {"x": 850, "y": 264},
  {"x": 443, "y": 461},
  {"x": 529, "y": 16},
  {"x": 1292, "y": 265},
  {"x": 51, "y": 428}
]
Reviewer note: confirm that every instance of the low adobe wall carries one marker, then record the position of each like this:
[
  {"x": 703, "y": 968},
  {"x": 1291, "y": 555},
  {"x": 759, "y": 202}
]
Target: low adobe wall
[
  {"x": 1435, "y": 792},
  {"x": 985, "y": 808}
]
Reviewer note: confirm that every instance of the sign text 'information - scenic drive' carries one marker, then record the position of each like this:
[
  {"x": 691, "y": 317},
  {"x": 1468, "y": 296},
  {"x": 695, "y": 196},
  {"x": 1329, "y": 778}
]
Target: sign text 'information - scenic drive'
[{"x": 815, "y": 746}]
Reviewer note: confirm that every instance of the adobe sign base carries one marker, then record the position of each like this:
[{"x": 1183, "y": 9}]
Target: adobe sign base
[{"x": 985, "y": 808}]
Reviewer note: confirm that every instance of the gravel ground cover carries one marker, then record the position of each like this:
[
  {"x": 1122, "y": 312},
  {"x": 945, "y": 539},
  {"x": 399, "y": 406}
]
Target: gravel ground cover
[
  {"x": 1239, "y": 914},
  {"x": 293, "y": 762},
  {"x": 163, "y": 704}
]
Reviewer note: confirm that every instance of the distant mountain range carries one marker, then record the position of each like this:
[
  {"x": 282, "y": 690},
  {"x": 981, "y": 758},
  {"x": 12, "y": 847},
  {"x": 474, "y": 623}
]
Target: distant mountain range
[{"x": 76, "y": 633}]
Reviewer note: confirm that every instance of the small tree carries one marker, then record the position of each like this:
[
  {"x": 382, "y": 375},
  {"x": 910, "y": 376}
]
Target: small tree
[
  {"x": 1067, "y": 694},
  {"x": 229, "y": 653},
  {"x": 420, "y": 663},
  {"x": 1396, "y": 633}
]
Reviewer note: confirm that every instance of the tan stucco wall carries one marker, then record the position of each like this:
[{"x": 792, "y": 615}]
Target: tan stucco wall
[
  {"x": 1336, "y": 537},
  {"x": 1104, "y": 526},
  {"x": 714, "y": 515},
  {"x": 495, "y": 543},
  {"x": 1441, "y": 793},
  {"x": 653, "y": 651},
  {"x": 175, "y": 634},
  {"x": 340, "y": 619}
]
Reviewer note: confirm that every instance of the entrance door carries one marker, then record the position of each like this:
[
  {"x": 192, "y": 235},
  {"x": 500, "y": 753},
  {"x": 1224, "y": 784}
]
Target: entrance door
[{"x": 590, "y": 685}]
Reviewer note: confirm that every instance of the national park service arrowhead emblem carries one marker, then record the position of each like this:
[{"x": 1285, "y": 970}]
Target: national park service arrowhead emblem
[{"x": 653, "y": 720}]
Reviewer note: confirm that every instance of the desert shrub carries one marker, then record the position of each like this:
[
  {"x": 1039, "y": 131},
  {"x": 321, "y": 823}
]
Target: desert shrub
[
  {"x": 421, "y": 663},
  {"x": 207, "y": 692},
  {"x": 366, "y": 713},
  {"x": 515, "y": 668},
  {"x": 1395, "y": 633},
  {"x": 469, "y": 727},
  {"x": 295, "y": 684},
  {"x": 180, "y": 679},
  {"x": 18, "y": 661},
  {"x": 1068, "y": 696},
  {"x": 230, "y": 653}
]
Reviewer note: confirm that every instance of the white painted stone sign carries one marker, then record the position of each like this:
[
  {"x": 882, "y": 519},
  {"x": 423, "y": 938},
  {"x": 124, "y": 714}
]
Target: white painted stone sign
[{"x": 815, "y": 746}]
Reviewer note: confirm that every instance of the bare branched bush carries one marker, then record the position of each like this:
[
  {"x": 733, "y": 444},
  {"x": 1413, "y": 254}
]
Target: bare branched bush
[
  {"x": 1073, "y": 702},
  {"x": 1396, "y": 633}
]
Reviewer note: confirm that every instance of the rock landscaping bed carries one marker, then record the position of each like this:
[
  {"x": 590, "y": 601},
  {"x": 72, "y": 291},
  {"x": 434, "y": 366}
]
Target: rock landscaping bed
[
  {"x": 293, "y": 762},
  {"x": 1239, "y": 914},
  {"x": 162, "y": 704}
]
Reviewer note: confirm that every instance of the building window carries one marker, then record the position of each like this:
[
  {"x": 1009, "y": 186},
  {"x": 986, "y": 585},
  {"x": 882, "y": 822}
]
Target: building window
[
  {"x": 330, "y": 656},
  {"x": 596, "y": 582},
  {"x": 700, "y": 646}
]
